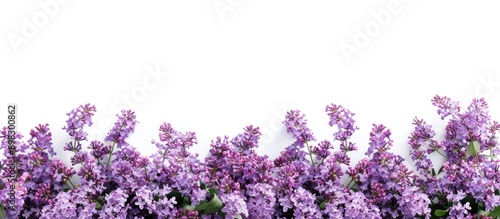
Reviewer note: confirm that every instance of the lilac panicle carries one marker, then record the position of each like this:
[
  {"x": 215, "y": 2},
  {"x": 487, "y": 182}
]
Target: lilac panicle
[
  {"x": 122, "y": 128},
  {"x": 445, "y": 106},
  {"x": 261, "y": 200},
  {"x": 78, "y": 118},
  {"x": 303, "y": 202},
  {"x": 322, "y": 151},
  {"x": 234, "y": 205},
  {"x": 379, "y": 140},
  {"x": 41, "y": 138},
  {"x": 173, "y": 181},
  {"x": 174, "y": 165},
  {"x": 296, "y": 124},
  {"x": 248, "y": 139},
  {"x": 343, "y": 119},
  {"x": 385, "y": 180},
  {"x": 233, "y": 164},
  {"x": 98, "y": 150}
]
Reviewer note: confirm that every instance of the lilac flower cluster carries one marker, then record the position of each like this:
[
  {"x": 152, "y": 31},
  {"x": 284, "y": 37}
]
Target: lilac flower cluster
[
  {"x": 305, "y": 181},
  {"x": 468, "y": 184}
]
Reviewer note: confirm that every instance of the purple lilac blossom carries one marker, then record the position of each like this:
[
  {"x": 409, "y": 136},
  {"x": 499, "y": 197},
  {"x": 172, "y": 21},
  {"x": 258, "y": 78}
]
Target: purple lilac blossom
[
  {"x": 123, "y": 128},
  {"x": 261, "y": 201},
  {"x": 343, "y": 119},
  {"x": 296, "y": 124},
  {"x": 234, "y": 205},
  {"x": 253, "y": 186}
]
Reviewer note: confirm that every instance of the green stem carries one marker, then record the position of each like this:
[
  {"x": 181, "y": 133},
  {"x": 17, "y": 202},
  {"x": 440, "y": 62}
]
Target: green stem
[
  {"x": 66, "y": 182},
  {"x": 437, "y": 150},
  {"x": 352, "y": 180},
  {"x": 310, "y": 153},
  {"x": 69, "y": 180},
  {"x": 111, "y": 152},
  {"x": 114, "y": 143},
  {"x": 163, "y": 155}
]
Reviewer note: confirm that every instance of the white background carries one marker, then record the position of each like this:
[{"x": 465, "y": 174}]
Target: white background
[{"x": 245, "y": 62}]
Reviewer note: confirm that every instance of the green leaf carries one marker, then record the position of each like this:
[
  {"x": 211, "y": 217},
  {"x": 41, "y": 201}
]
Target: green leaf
[
  {"x": 440, "y": 170},
  {"x": 473, "y": 149},
  {"x": 214, "y": 205},
  {"x": 66, "y": 189},
  {"x": 189, "y": 207},
  {"x": 495, "y": 212},
  {"x": 322, "y": 205},
  {"x": 433, "y": 172},
  {"x": 440, "y": 212},
  {"x": 186, "y": 200},
  {"x": 2, "y": 212},
  {"x": 481, "y": 212},
  {"x": 98, "y": 205}
]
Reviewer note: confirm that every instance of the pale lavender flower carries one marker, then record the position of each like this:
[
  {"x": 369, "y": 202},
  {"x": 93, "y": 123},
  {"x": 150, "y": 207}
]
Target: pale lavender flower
[
  {"x": 445, "y": 106},
  {"x": 234, "y": 205},
  {"x": 413, "y": 203},
  {"x": 296, "y": 124},
  {"x": 115, "y": 206},
  {"x": 460, "y": 210},
  {"x": 343, "y": 119},
  {"x": 122, "y": 128},
  {"x": 304, "y": 206},
  {"x": 78, "y": 118},
  {"x": 261, "y": 201}
]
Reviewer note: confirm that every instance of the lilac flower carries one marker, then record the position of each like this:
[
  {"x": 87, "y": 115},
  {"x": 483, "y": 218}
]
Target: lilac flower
[
  {"x": 79, "y": 157},
  {"x": 62, "y": 208},
  {"x": 19, "y": 196},
  {"x": 60, "y": 172},
  {"x": 296, "y": 124},
  {"x": 379, "y": 139},
  {"x": 384, "y": 178},
  {"x": 187, "y": 214},
  {"x": 414, "y": 203},
  {"x": 445, "y": 106},
  {"x": 78, "y": 118},
  {"x": 342, "y": 118},
  {"x": 176, "y": 166},
  {"x": 322, "y": 151},
  {"x": 459, "y": 210},
  {"x": 173, "y": 182},
  {"x": 303, "y": 202},
  {"x": 122, "y": 128},
  {"x": 92, "y": 176},
  {"x": 248, "y": 139},
  {"x": 330, "y": 170},
  {"x": 261, "y": 200},
  {"x": 234, "y": 205},
  {"x": 144, "y": 199},
  {"x": 98, "y": 150},
  {"x": 115, "y": 206},
  {"x": 41, "y": 138},
  {"x": 350, "y": 204},
  {"x": 291, "y": 154}
]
